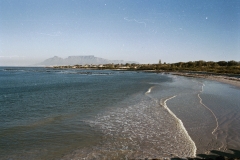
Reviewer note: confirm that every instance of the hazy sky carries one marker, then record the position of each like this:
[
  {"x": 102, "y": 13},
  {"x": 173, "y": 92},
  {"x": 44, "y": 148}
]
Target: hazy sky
[{"x": 136, "y": 30}]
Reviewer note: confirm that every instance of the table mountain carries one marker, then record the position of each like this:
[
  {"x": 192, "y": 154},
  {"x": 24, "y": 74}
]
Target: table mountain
[{"x": 80, "y": 60}]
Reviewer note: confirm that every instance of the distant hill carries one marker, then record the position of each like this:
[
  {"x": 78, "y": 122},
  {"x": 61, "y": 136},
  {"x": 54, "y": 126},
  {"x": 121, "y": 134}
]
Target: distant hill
[{"x": 81, "y": 60}]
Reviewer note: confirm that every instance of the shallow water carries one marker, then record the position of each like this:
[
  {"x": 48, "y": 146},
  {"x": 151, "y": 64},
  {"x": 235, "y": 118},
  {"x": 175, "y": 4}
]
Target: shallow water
[
  {"x": 223, "y": 100},
  {"x": 63, "y": 114}
]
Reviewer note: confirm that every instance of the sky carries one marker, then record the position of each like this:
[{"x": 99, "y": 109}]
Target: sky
[{"x": 133, "y": 30}]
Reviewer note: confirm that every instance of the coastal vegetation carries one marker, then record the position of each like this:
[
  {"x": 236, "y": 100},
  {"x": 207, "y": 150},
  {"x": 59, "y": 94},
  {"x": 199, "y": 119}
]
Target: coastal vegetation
[{"x": 220, "y": 67}]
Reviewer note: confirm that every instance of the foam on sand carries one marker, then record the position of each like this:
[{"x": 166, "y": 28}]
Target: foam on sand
[
  {"x": 215, "y": 129},
  {"x": 163, "y": 103}
]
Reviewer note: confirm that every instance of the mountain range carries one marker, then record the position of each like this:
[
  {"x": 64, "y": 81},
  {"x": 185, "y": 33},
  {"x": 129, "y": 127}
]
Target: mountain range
[{"x": 80, "y": 60}]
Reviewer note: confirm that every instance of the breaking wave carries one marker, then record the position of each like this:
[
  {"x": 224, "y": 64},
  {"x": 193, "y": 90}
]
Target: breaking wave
[{"x": 147, "y": 129}]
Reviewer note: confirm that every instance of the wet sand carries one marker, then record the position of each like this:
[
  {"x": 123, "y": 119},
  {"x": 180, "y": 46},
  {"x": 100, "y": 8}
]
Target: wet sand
[
  {"x": 220, "y": 78},
  {"x": 226, "y": 132}
]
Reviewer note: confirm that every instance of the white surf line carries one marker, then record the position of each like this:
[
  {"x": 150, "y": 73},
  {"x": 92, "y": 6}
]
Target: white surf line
[
  {"x": 180, "y": 122},
  {"x": 209, "y": 110},
  {"x": 149, "y": 90}
]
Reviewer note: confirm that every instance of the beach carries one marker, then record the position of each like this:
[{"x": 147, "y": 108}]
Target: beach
[
  {"x": 222, "y": 138},
  {"x": 220, "y": 78},
  {"x": 104, "y": 114}
]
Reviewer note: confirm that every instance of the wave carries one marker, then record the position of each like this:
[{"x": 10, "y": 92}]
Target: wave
[
  {"x": 149, "y": 90},
  {"x": 86, "y": 73},
  {"x": 214, "y": 132},
  {"x": 13, "y": 70},
  {"x": 163, "y": 104},
  {"x": 142, "y": 130},
  {"x": 101, "y": 74},
  {"x": 217, "y": 124}
]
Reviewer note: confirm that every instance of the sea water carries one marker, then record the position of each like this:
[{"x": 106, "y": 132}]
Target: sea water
[{"x": 49, "y": 113}]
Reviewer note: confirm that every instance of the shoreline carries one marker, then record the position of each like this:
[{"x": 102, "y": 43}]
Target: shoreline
[
  {"x": 226, "y": 79},
  {"x": 175, "y": 74},
  {"x": 219, "y": 78}
]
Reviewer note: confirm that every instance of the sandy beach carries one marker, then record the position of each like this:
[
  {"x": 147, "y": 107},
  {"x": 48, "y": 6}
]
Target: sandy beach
[
  {"x": 226, "y": 132},
  {"x": 220, "y": 78}
]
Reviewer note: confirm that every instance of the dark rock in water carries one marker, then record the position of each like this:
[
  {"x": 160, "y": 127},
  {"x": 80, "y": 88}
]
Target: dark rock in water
[{"x": 220, "y": 158}]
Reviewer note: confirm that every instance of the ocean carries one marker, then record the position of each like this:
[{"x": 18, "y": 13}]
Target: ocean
[{"x": 48, "y": 113}]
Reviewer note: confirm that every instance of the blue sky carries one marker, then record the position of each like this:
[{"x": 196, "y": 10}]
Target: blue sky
[{"x": 137, "y": 30}]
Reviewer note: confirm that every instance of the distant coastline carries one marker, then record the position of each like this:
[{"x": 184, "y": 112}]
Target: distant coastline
[
  {"x": 222, "y": 71},
  {"x": 221, "y": 67}
]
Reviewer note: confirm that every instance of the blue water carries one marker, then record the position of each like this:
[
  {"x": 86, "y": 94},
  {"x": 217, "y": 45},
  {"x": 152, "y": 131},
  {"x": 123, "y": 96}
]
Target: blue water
[{"x": 69, "y": 114}]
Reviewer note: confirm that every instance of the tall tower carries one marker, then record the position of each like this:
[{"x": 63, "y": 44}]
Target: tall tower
[{"x": 159, "y": 61}]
